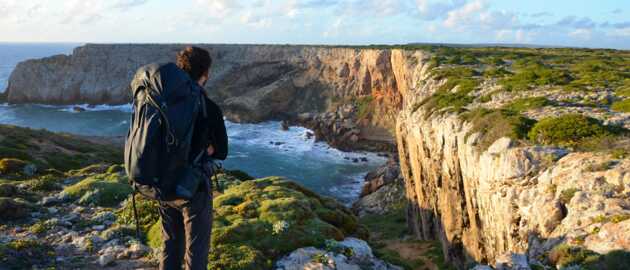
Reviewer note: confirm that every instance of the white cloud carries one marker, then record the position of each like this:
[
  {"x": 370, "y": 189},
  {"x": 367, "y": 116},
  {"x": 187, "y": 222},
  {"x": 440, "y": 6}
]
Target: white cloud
[
  {"x": 620, "y": 32},
  {"x": 220, "y": 8},
  {"x": 465, "y": 15},
  {"x": 85, "y": 12},
  {"x": 431, "y": 10},
  {"x": 256, "y": 21}
]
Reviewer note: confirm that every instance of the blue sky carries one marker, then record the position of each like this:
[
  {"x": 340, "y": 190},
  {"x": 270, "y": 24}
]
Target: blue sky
[{"x": 601, "y": 23}]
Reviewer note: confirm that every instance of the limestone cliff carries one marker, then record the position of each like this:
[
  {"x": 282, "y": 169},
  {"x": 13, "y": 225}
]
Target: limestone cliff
[
  {"x": 251, "y": 82},
  {"x": 483, "y": 203},
  {"x": 510, "y": 199}
]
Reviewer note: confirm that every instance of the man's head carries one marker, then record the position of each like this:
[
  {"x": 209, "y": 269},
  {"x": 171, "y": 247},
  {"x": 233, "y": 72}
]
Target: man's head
[{"x": 196, "y": 62}]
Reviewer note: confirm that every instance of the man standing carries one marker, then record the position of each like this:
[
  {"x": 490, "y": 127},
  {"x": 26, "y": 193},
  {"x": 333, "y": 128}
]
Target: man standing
[
  {"x": 187, "y": 224},
  {"x": 176, "y": 130}
]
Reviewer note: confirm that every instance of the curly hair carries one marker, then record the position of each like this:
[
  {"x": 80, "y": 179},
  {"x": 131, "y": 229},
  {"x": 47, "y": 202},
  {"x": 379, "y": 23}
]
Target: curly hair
[{"x": 195, "y": 61}]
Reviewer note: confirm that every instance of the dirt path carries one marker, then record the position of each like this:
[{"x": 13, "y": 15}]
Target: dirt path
[{"x": 412, "y": 251}]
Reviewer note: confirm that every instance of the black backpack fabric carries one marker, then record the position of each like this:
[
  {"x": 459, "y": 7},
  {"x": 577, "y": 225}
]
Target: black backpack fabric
[{"x": 166, "y": 104}]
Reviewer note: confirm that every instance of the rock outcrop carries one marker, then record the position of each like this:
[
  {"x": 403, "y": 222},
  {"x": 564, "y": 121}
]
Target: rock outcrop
[
  {"x": 349, "y": 254},
  {"x": 509, "y": 199},
  {"x": 251, "y": 82}
]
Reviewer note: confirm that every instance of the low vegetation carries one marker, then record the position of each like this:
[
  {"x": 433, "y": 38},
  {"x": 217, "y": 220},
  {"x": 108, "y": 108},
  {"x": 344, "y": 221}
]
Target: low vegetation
[
  {"x": 565, "y": 255},
  {"x": 494, "y": 124},
  {"x": 525, "y": 104},
  {"x": 101, "y": 190},
  {"x": 387, "y": 233},
  {"x": 570, "y": 130},
  {"x": 24, "y": 253},
  {"x": 621, "y": 106},
  {"x": 49, "y": 150},
  {"x": 258, "y": 221}
]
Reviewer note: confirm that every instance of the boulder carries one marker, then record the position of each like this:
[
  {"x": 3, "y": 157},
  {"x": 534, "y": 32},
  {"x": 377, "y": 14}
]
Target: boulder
[
  {"x": 12, "y": 166},
  {"x": 350, "y": 254},
  {"x": 381, "y": 201},
  {"x": 12, "y": 208}
]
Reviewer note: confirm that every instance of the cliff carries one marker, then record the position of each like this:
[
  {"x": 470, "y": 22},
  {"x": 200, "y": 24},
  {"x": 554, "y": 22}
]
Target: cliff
[
  {"x": 506, "y": 154},
  {"x": 251, "y": 82}
]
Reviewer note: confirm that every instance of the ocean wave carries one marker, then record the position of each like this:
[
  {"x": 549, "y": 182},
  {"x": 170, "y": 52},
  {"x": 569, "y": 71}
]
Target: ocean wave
[{"x": 94, "y": 108}]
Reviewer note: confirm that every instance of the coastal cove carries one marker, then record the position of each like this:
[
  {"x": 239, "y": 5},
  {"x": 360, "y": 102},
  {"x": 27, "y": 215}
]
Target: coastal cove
[
  {"x": 505, "y": 158},
  {"x": 261, "y": 149}
]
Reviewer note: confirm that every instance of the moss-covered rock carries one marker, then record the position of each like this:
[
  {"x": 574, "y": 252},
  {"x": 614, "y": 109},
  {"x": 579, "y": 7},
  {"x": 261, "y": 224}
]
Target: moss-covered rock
[
  {"x": 25, "y": 254},
  {"x": 621, "y": 106},
  {"x": 12, "y": 166},
  {"x": 12, "y": 208},
  {"x": 98, "y": 168},
  {"x": 47, "y": 182},
  {"x": 257, "y": 221},
  {"x": 100, "y": 189}
]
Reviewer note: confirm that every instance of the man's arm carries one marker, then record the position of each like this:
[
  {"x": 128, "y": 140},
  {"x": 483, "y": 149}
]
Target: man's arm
[{"x": 218, "y": 133}]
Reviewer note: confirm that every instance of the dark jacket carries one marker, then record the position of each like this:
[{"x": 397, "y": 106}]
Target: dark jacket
[{"x": 210, "y": 130}]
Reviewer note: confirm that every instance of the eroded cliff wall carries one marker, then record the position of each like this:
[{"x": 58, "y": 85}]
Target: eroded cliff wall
[
  {"x": 482, "y": 204},
  {"x": 508, "y": 200},
  {"x": 251, "y": 82}
]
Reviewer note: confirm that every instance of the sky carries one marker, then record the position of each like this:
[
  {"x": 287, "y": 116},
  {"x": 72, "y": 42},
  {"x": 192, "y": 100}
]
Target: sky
[{"x": 576, "y": 23}]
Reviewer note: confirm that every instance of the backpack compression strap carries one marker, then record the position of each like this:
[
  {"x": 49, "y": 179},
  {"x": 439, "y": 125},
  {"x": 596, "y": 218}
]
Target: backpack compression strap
[{"x": 170, "y": 137}]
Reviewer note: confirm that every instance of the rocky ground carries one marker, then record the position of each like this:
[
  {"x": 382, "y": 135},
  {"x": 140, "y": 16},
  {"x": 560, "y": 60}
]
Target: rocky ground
[{"x": 82, "y": 219}]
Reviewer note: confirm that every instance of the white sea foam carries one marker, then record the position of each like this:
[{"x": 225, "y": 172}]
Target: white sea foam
[
  {"x": 95, "y": 108},
  {"x": 295, "y": 140}
]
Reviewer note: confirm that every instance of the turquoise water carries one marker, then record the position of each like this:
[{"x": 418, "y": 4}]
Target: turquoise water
[{"x": 259, "y": 149}]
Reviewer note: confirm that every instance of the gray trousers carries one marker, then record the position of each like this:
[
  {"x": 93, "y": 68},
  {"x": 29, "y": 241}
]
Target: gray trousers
[{"x": 186, "y": 230}]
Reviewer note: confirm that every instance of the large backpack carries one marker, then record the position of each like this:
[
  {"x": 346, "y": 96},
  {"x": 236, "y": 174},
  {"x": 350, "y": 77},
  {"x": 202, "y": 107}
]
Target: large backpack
[{"x": 166, "y": 103}]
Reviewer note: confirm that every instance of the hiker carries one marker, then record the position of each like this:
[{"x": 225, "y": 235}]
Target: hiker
[{"x": 176, "y": 134}]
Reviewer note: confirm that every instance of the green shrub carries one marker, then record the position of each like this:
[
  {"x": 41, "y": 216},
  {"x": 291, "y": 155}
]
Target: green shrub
[
  {"x": 494, "y": 124},
  {"x": 148, "y": 213},
  {"x": 624, "y": 89},
  {"x": 44, "y": 183},
  {"x": 602, "y": 166},
  {"x": 524, "y": 104},
  {"x": 535, "y": 74},
  {"x": 621, "y": 106},
  {"x": 619, "y": 218},
  {"x": 567, "y": 130},
  {"x": 364, "y": 106},
  {"x": 564, "y": 255},
  {"x": 442, "y": 99},
  {"x": 567, "y": 194},
  {"x": 493, "y": 72},
  {"x": 100, "y": 189}
]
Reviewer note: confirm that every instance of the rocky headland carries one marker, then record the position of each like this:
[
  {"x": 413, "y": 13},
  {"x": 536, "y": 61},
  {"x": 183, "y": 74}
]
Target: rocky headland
[{"x": 513, "y": 158}]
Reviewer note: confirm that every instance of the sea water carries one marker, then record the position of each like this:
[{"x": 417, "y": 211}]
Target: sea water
[{"x": 262, "y": 149}]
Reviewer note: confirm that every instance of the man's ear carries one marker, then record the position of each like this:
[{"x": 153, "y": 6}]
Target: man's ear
[{"x": 204, "y": 78}]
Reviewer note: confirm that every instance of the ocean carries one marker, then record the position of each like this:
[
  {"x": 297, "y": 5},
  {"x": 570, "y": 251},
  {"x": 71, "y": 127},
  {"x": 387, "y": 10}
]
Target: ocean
[{"x": 262, "y": 149}]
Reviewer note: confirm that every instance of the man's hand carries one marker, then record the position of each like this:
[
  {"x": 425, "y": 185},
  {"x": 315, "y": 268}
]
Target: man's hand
[{"x": 210, "y": 150}]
